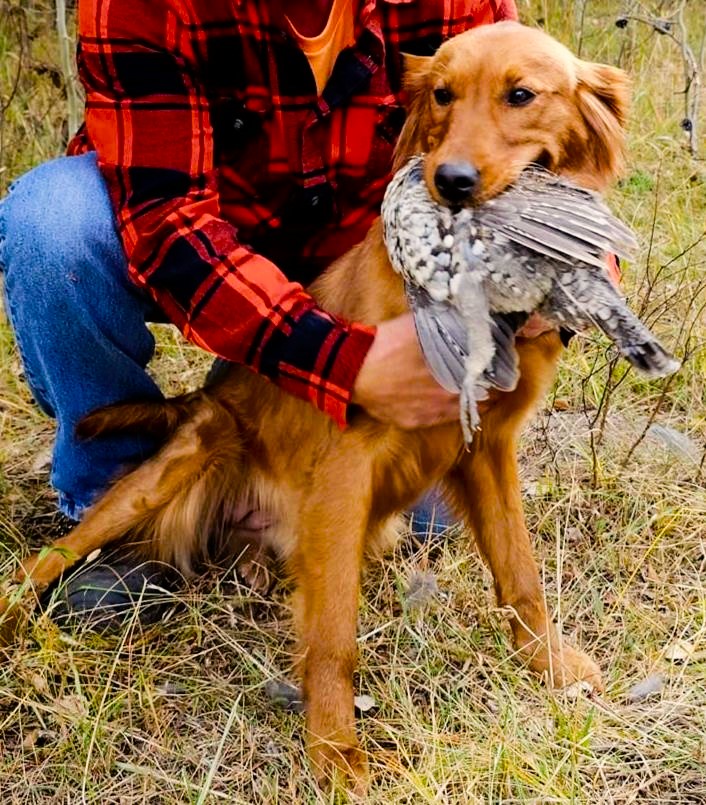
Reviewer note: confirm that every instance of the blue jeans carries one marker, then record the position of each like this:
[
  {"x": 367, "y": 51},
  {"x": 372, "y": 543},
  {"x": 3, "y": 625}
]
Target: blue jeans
[
  {"x": 80, "y": 327},
  {"x": 79, "y": 322}
]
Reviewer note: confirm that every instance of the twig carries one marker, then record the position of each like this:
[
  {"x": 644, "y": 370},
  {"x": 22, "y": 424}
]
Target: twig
[
  {"x": 650, "y": 420},
  {"x": 692, "y": 75},
  {"x": 580, "y": 21},
  {"x": 18, "y": 14},
  {"x": 66, "y": 55}
]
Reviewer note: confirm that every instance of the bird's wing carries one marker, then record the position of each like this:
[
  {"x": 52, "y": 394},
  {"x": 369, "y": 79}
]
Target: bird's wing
[
  {"x": 504, "y": 372},
  {"x": 552, "y": 217},
  {"x": 603, "y": 305},
  {"x": 443, "y": 337}
]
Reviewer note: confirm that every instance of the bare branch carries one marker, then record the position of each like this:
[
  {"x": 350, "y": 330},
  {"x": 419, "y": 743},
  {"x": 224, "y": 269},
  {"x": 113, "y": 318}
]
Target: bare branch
[
  {"x": 67, "y": 67},
  {"x": 692, "y": 76}
]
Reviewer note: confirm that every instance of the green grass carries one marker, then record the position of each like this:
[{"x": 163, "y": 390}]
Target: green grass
[{"x": 178, "y": 713}]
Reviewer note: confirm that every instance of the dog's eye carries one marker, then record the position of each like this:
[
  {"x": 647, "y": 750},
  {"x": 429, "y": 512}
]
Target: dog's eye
[
  {"x": 443, "y": 96},
  {"x": 520, "y": 96}
]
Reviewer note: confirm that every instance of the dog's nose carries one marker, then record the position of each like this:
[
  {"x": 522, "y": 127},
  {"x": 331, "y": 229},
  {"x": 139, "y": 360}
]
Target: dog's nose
[{"x": 456, "y": 181}]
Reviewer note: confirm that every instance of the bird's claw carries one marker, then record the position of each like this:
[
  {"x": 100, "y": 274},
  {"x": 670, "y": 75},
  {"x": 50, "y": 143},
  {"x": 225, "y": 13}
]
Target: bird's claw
[{"x": 470, "y": 418}]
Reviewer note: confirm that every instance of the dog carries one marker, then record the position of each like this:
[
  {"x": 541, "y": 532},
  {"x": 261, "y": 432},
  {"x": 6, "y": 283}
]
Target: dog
[{"x": 496, "y": 98}]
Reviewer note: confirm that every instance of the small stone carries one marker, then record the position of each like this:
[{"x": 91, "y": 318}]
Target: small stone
[
  {"x": 675, "y": 441},
  {"x": 649, "y": 686},
  {"x": 422, "y": 589},
  {"x": 285, "y": 695}
]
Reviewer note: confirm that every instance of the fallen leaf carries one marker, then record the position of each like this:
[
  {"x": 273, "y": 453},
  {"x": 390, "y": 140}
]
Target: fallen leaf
[
  {"x": 72, "y": 707},
  {"x": 30, "y": 739},
  {"x": 679, "y": 651},
  {"x": 39, "y": 683},
  {"x": 650, "y": 686},
  {"x": 364, "y": 703}
]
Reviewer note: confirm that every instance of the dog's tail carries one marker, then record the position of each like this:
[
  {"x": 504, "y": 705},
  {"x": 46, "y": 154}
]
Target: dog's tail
[{"x": 159, "y": 419}]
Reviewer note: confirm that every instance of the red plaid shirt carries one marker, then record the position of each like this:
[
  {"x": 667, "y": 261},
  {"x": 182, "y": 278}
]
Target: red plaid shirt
[{"x": 234, "y": 184}]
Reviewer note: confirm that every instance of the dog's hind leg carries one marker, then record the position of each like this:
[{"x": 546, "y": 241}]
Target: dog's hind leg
[
  {"x": 327, "y": 566},
  {"x": 168, "y": 507}
]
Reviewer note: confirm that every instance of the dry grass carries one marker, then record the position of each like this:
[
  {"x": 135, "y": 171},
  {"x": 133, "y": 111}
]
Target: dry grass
[{"x": 178, "y": 713}]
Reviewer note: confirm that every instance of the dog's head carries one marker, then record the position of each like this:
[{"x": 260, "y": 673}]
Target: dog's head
[{"x": 500, "y": 97}]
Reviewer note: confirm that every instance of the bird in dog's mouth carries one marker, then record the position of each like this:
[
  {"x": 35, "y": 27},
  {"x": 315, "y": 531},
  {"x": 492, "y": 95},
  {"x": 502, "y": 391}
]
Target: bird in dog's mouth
[{"x": 473, "y": 276}]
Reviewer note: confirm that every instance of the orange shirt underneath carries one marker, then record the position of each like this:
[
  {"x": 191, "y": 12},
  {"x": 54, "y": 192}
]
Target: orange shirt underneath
[{"x": 323, "y": 49}]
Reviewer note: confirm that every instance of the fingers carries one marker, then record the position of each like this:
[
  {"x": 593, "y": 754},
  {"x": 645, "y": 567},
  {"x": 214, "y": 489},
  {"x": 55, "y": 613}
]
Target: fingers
[{"x": 395, "y": 385}]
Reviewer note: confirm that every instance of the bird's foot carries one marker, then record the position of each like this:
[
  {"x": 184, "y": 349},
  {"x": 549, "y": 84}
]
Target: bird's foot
[{"x": 470, "y": 418}]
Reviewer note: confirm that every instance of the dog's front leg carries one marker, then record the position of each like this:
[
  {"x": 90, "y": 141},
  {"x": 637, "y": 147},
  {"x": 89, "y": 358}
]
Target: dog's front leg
[
  {"x": 486, "y": 487},
  {"x": 327, "y": 567},
  {"x": 488, "y": 481}
]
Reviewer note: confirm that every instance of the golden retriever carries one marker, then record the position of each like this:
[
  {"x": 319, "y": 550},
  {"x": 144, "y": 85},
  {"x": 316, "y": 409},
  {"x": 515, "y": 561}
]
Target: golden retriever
[{"x": 497, "y": 98}]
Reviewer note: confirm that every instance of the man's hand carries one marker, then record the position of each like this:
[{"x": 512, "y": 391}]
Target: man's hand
[{"x": 394, "y": 384}]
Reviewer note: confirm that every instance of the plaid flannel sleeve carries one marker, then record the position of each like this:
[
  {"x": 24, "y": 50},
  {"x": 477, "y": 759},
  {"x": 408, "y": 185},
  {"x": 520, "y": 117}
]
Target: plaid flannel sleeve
[{"x": 147, "y": 116}]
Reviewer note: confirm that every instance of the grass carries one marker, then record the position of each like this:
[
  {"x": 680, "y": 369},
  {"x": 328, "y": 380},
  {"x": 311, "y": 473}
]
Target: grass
[{"x": 178, "y": 713}]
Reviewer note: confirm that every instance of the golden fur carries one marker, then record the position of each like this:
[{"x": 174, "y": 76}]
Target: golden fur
[{"x": 334, "y": 495}]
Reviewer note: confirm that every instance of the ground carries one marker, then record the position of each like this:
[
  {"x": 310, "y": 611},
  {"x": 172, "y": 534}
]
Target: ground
[{"x": 179, "y": 713}]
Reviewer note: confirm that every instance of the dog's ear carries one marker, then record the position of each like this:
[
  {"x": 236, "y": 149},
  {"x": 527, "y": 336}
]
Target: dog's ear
[
  {"x": 602, "y": 100},
  {"x": 415, "y": 82}
]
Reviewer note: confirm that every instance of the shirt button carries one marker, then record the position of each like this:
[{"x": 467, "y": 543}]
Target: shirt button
[
  {"x": 314, "y": 200},
  {"x": 238, "y": 123}
]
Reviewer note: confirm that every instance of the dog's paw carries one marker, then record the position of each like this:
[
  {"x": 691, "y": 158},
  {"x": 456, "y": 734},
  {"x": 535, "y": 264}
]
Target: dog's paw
[
  {"x": 339, "y": 767},
  {"x": 565, "y": 666},
  {"x": 571, "y": 666}
]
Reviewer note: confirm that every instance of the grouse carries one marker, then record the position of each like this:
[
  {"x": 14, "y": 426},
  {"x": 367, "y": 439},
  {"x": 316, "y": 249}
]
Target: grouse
[{"x": 473, "y": 275}]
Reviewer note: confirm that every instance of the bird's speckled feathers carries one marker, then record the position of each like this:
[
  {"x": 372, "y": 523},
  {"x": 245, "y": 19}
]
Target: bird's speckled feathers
[{"x": 473, "y": 276}]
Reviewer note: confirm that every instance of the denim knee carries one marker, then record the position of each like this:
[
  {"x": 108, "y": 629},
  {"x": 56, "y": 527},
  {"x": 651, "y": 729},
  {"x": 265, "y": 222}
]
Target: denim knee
[
  {"x": 57, "y": 215},
  {"x": 63, "y": 259}
]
